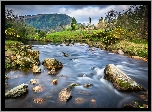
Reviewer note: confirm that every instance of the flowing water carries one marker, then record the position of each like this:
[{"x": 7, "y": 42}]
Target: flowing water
[{"x": 81, "y": 60}]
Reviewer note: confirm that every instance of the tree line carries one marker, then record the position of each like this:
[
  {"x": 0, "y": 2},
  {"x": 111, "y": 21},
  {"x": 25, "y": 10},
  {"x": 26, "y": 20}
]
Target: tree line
[{"x": 133, "y": 22}]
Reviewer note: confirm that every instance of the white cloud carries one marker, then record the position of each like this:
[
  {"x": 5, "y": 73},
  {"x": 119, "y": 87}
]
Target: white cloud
[
  {"x": 95, "y": 13},
  {"x": 81, "y": 14}
]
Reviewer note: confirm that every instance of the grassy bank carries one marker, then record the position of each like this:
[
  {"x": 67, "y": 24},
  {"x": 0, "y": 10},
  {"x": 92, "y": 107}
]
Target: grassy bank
[
  {"x": 104, "y": 40},
  {"x": 108, "y": 40}
]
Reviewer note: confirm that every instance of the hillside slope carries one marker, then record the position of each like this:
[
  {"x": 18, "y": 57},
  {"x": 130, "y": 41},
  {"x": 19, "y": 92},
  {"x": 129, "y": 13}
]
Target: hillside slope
[{"x": 47, "y": 21}]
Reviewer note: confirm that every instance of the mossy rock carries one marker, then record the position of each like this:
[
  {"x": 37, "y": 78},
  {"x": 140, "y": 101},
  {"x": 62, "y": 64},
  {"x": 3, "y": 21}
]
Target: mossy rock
[
  {"x": 72, "y": 85},
  {"x": 50, "y": 63},
  {"x": 119, "y": 79}
]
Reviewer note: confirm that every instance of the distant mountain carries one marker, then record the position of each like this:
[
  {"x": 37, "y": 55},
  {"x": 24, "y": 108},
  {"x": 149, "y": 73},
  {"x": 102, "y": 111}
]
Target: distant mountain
[{"x": 47, "y": 21}]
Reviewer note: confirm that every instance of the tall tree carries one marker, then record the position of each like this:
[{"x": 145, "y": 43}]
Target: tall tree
[
  {"x": 73, "y": 23},
  {"x": 9, "y": 18},
  {"x": 89, "y": 20}
]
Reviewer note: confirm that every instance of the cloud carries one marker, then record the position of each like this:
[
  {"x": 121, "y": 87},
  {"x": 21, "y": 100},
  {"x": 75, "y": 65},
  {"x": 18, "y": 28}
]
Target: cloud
[
  {"x": 80, "y": 12},
  {"x": 94, "y": 12}
]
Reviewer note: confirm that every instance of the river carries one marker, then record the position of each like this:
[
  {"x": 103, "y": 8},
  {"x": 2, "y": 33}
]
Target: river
[{"x": 81, "y": 60}]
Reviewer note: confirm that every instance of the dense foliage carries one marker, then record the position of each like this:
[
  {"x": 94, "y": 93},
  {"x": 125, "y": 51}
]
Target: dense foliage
[
  {"x": 49, "y": 21},
  {"x": 17, "y": 29}
]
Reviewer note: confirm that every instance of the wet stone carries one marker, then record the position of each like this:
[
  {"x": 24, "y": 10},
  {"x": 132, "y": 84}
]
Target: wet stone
[
  {"x": 87, "y": 85},
  {"x": 65, "y": 54},
  {"x": 72, "y": 85},
  {"x": 38, "y": 89},
  {"x": 54, "y": 81},
  {"x": 50, "y": 63},
  {"x": 38, "y": 100},
  {"x": 17, "y": 91},
  {"x": 62, "y": 76},
  {"x": 65, "y": 94},
  {"x": 79, "y": 100},
  {"x": 84, "y": 92},
  {"x": 93, "y": 103},
  {"x": 34, "y": 81},
  {"x": 119, "y": 79}
]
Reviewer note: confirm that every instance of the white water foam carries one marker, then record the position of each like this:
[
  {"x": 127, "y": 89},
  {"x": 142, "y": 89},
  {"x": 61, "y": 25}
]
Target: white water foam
[
  {"x": 99, "y": 71},
  {"x": 80, "y": 87},
  {"x": 118, "y": 93},
  {"x": 120, "y": 66},
  {"x": 107, "y": 84},
  {"x": 84, "y": 78},
  {"x": 126, "y": 100},
  {"x": 125, "y": 62},
  {"x": 111, "y": 53}
]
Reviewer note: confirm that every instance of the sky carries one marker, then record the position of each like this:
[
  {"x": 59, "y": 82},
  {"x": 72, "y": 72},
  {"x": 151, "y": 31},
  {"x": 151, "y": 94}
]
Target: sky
[{"x": 80, "y": 12}]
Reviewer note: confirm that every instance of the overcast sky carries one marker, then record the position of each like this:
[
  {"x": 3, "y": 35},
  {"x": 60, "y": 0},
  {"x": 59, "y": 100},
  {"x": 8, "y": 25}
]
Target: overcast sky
[{"x": 80, "y": 12}]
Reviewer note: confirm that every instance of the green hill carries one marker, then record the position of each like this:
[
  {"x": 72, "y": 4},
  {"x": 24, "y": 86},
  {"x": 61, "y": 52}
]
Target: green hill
[{"x": 48, "y": 21}]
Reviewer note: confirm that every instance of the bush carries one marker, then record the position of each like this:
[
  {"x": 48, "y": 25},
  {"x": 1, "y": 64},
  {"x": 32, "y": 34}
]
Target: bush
[
  {"x": 10, "y": 33},
  {"x": 105, "y": 36},
  {"x": 42, "y": 34}
]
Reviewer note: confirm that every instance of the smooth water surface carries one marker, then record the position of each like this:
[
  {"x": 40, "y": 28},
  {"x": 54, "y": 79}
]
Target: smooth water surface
[{"x": 81, "y": 60}]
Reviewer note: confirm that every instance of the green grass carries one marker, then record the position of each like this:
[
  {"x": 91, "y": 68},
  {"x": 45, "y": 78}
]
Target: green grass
[
  {"x": 11, "y": 43},
  {"x": 65, "y": 35},
  {"x": 131, "y": 48},
  {"x": 136, "y": 46}
]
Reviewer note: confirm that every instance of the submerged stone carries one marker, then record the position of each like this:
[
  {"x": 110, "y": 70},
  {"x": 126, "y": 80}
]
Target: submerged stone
[
  {"x": 37, "y": 89},
  {"x": 38, "y": 100},
  {"x": 80, "y": 100},
  {"x": 119, "y": 79},
  {"x": 87, "y": 85},
  {"x": 65, "y": 54}
]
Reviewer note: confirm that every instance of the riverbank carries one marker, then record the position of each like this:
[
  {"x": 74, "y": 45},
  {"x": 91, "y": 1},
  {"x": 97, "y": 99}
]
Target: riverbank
[
  {"x": 19, "y": 56},
  {"x": 134, "y": 48}
]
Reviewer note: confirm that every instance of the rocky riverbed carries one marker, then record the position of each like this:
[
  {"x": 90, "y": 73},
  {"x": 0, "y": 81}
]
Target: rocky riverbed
[{"x": 75, "y": 75}]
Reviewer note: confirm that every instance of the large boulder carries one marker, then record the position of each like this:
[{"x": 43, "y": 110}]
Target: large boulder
[
  {"x": 119, "y": 79},
  {"x": 50, "y": 63}
]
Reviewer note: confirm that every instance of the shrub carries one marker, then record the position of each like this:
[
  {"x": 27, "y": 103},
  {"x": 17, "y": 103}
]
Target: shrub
[{"x": 10, "y": 33}]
